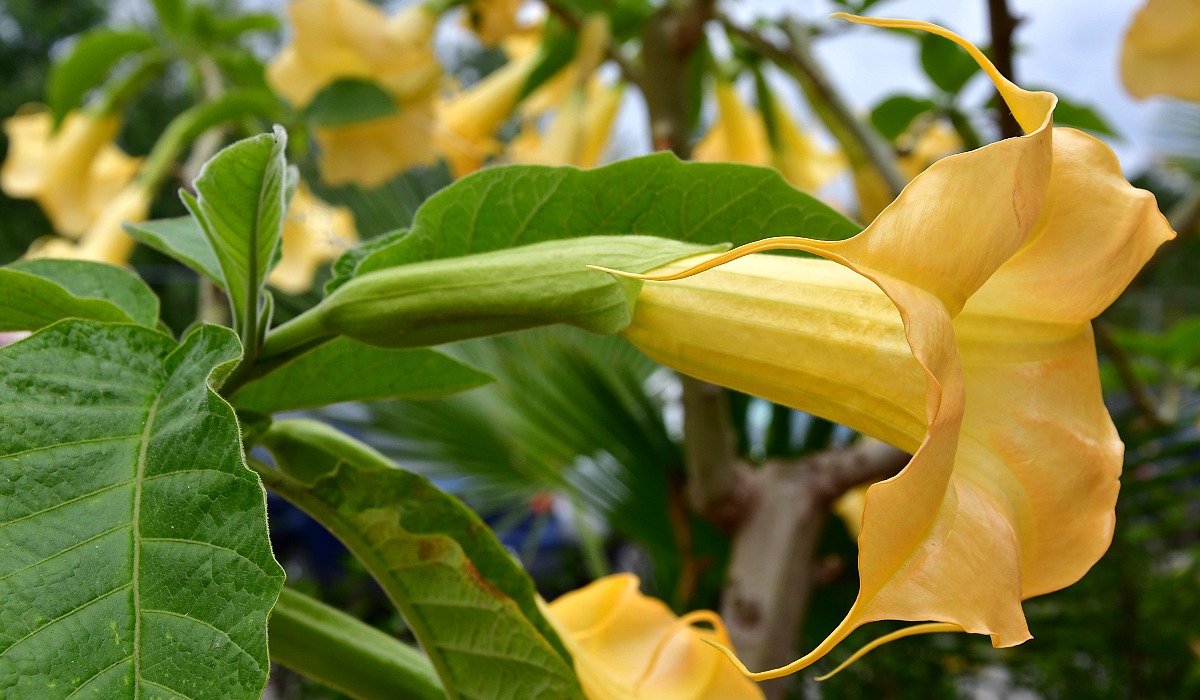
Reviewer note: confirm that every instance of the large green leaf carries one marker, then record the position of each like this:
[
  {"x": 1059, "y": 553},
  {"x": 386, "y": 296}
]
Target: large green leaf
[
  {"x": 470, "y": 605},
  {"x": 240, "y": 205},
  {"x": 135, "y": 560},
  {"x": 654, "y": 195},
  {"x": 181, "y": 238},
  {"x": 346, "y": 370},
  {"x": 36, "y": 293},
  {"x": 88, "y": 62}
]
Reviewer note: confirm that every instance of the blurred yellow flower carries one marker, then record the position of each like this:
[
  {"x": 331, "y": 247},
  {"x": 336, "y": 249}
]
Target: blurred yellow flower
[
  {"x": 738, "y": 135},
  {"x": 584, "y": 116},
  {"x": 341, "y": 39},
  {"x": 467, "y": 122},
  {"x": 957, "y": 328},
  {"x": 104, "y": 240},
  {"x": 628, "y": 646},
  {"x": 73, "y": 173},
  {"x": 314, "y": 233},
  {"x": 336, "y": 39},
  {"x": 493, "y": 20},
  {"x": 1161, "y": 55}
]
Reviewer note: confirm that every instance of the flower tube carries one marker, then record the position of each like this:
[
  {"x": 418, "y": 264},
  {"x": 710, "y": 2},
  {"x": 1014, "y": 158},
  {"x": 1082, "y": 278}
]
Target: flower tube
[{"x": 956, "y": 327}]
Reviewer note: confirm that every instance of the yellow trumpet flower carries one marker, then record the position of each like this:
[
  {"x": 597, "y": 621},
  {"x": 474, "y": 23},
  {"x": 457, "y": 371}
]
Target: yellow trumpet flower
[
  {"x": 578, "y": 133},
  {"x": 628, "y": 646},
  {"x": 919, "y": 147},
  {"x": 314, "y": 233},
  {"x": 73, "y": 173},
  {"x": 738, "y": 135},
  {"x": 335, "y": 39},
  {"x": 957, "y": 328},
  {"x": 338, "y": 39},
  {"x": 493, "y": 20},
  {"x": 104, "y": 240},
  {"x": 797, "y": 155},
  {"x": 1161, "y": 55}
]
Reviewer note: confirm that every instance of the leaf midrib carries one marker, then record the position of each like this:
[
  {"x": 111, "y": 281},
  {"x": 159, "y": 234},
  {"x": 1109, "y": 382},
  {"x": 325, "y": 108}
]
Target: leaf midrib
[{"x": 135, "y": 536}]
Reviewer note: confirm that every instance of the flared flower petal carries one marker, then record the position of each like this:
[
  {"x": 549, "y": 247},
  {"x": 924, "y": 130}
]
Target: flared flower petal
[
  {"x": 336, "y": 39},
  {"x": 1161, "y": 55},
  {"x": 628, "y": 646},
  {"x": 956, "y": 327},
  {"x": 370, "y": 153},
  {"x": 104, "y": 240},
  {"x": 73, "y": 173},
  {"x": 314, "y": 233}
]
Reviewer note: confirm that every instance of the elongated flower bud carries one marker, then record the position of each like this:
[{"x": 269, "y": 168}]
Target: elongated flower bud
[{"x": 440, "y": 301}]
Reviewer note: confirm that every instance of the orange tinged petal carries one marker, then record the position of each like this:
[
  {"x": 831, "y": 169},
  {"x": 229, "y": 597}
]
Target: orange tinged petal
[
  {"x": 992, "y": 262},
  {"x": 628, "y": 646},
  {"x": 370, "y": 153}
]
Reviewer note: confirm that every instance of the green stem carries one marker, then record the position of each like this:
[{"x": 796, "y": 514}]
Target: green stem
[
  {"x": 346, "y": 654},
  {"x": 296, "y": 333},
  {"x": 123, "y": 89}
]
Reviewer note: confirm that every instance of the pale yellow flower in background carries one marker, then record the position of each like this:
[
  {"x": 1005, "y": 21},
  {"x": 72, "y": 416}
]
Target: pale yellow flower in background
[
  {"x": 352, "y": 39},
  {"x": 1161, "y": 55},
  {"x": 849, "y": 507},
  {"x": 581, "y": 123},
  {"x": 73, "y": 173},
  {"x": 957, "y": 328},
  {"x": 738, "y": 134},
  {"x": 104, "y": 240},
  {"x": 493, "y": 20},
  {"x": 314, "y": 233},
  {"x": 336, "y": 39},
  {"x": 628, "y": 646},
  {"x": 369, "y": 153},
  {"x": 798, "y": 157},
  {"x": 467, "y": 121}
]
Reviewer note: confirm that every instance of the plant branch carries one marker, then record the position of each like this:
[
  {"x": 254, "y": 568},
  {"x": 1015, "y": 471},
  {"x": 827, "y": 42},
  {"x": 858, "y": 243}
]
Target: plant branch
[
  {"x": 629, "y": 72},
  {"x": 1002, "y": 24},
  {"x": 716, "y": 485},
  {"x": 771, "y": 573},
  {"x": 861, "y": 143}
]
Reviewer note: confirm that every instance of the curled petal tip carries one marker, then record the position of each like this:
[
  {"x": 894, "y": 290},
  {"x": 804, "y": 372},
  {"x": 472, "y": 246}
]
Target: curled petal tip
[
  {"x": 927, "y": 628},
  {"x": 621, "y": 273}
]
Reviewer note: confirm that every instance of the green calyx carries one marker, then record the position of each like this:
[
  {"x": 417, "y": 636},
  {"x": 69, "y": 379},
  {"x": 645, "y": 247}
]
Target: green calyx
[{"x": 441, "y": 301}]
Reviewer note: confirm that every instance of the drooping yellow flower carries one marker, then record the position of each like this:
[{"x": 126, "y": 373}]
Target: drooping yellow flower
[
  {"x": 369, "y": 153},
  {"x": 314, "y": 233},
  {"x": 467, "y": 122},
  {"x": 1161, "y": 55},
  {"x": 73, "y": 173},
  {"x": 581, "y": 124},
  {"x": 738, "y": 135},
  {"x": 335, "y": 39},
  {"x": 344, "y": 39},
  {"x": 493, "y": 20},
  {"x": 797, "y": 155},
  {"x": 957, "y": 328},
  {"x": 104, "y": 240},
  {"x": 628, "y": 646}
]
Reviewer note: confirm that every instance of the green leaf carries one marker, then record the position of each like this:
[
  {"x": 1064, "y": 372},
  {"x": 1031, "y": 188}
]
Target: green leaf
[
  {"x": 29, "y": 300},
  {"x": 136, "y": 559},
  {"x": 86, "y": 279},
  {"x": 946, "y": 63},
  {"x": 347, "y": 654},
  {"x": 345, "y": 370},
  {"x": 88, "y": 62},
  {"x": 470, "y": 605},
  {"x": 240, "y": 206},
  {"x": 183, "y": 239},
  {"x": 655, "y": 195},
  {"x": 893, "y": 116},
  {"x": 348, "y": 101}
]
